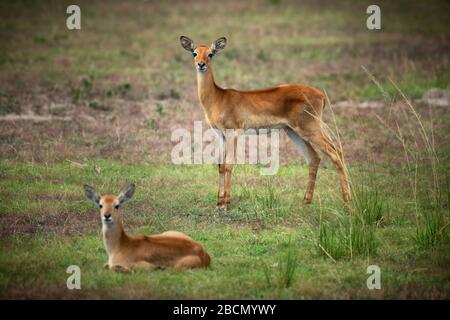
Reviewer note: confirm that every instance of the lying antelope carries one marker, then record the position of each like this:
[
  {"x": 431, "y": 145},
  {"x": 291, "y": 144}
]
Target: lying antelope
[
  {"x": 168, "y": 249},
  {"x": 297, "y": 108}
]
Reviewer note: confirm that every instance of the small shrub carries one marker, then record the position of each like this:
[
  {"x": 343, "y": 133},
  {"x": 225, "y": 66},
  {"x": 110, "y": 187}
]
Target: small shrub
[
  {"x": 119, "y": 90},
  {"x": 152, "y": 124},
  {"x": 171, "y": 94},
  {"x": 8, "y": 104},
  {"x": 159, "y": 108},
  {"x": 87, "y": 85},
  {"x": 263, "y": 56},
  {"x": 40, "y": 39},
  {"x": 83, "y": 90},
  {"x": 96, "y": 105}
]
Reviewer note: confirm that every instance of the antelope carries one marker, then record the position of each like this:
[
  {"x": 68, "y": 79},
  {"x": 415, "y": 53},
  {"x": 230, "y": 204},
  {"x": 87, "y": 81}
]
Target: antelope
[
  {"x": 296, "y": 108},
  {"x": 125, "y": 252}
]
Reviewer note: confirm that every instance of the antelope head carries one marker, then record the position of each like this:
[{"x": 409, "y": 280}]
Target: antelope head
[
  {"x": 203, "y": 54},
  {"x": 109, "y": 205}
]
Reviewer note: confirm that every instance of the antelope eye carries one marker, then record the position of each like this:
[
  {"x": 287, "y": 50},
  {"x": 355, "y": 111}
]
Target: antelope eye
[
  {"x": 116, "y": 206},
  {"x": 210, "y": 55},
  {"x": 100, "y": 205},
  {"x": 194, "y": 54}
]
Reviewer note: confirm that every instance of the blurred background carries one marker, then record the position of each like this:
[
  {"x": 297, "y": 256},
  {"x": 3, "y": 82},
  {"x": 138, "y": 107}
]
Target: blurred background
[{"x": 120, "y": 85}]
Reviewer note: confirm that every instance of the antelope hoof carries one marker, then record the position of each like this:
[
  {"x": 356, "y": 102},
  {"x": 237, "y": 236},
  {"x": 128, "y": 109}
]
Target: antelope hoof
[
  {"x": 118, "y": 268},
  {"x": 346, "y": 198},
  {"x": 307, "y": 200},
  {"x": 221, "y": 206},
  {"x": 106, "y": 266}
]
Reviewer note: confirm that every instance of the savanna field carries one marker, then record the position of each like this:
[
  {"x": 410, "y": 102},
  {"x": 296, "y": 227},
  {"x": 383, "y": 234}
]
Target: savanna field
[{"x": 98, "y": 106}]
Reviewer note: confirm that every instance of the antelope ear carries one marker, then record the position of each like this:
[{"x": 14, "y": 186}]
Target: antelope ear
[
  {"x": 187, "y": 43},
  {"x": 91, "y": 194},
  {"x": 218, "y": 45},
  {"x": 126, "y": 193}
]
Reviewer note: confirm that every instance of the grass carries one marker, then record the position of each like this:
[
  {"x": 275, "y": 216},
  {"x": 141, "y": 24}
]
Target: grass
[
  {"x": 411, "y": 81},
  {"x": 347, "y": 237},
  {"x": 255, "y": 257},
  {"x": 146, "y": 51},
  {"x": 287, "y": 265},
  {"x": 8, "y": 105},
  {"x": 125, "y": 84},
  {"x": 368, "y": 204},
  {"x": 432, "y": 230},
  {"x": 429, "y": 187}
]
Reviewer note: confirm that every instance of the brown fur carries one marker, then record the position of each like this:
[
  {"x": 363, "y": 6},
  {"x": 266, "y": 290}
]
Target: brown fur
[
  {"x": 168, "y": 249},
  {"x": 297, "y": 107}
]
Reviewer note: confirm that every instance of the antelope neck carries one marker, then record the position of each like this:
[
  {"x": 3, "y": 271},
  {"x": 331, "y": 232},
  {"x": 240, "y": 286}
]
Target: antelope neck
[
  {"x": 113, "y": 235},
  {"x": 208, "y": 91}
]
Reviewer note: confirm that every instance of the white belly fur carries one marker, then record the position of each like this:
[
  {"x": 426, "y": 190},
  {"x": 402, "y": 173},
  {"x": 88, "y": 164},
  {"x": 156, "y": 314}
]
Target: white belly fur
[{"x": 299, "y": 143}]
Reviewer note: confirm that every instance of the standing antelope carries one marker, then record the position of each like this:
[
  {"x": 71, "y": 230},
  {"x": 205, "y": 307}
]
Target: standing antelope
[
  {"x": 297, "y": 108},
  {"x": 168, "y": 249}
]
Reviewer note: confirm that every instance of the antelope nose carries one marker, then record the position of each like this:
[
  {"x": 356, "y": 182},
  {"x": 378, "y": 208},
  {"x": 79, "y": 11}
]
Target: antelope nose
[
  {"x": 201, "y": 65},
  {"x": 107, "y": 216}
]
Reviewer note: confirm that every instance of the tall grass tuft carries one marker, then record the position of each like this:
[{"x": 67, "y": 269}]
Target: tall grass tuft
[
  {"x": 353, "y": 231},
  {"x": 270, "y": 200},
  {"x": 266, "y": 205},
  {"x": 431, "y": 230},
  {"x": 368, "y": 204},
  {"x": 426, "y": 173},
  {"x": 287, "y": 264},
  {"x": 346, "y": 237}
]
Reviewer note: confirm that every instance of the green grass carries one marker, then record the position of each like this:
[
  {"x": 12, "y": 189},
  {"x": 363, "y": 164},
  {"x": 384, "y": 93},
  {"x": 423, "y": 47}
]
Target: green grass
[
  {"x": 8, "y": 104},
  {"x": 432, "y": 230},
  {"x": 433, "y": 215},
  {"x": 413, "y": 82},
  {"x": 368, "y": 204},
  {"x": 254, "y": 255},
  {"x": 144, "y": 47},
  {"x": 346, "y": 237},
  {"x": 127, "y": 84},
  {"x": 287, "y": 265}
]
